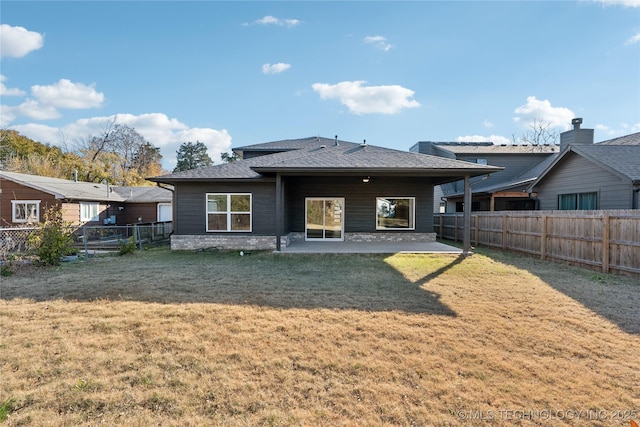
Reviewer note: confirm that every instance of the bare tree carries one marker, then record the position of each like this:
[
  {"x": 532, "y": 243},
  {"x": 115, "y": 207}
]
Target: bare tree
[
  {"x": 118, "y": 154},
  {"x": 540, "y": 133}
]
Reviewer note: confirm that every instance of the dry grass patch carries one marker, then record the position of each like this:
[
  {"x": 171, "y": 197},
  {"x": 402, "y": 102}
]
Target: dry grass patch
[{"x": 216, "y": 339}]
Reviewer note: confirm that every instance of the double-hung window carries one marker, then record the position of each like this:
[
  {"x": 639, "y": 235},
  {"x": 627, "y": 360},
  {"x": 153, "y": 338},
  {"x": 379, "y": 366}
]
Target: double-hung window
[
  {"x": 25, "y": 211},
  {"x": 229, "y": 212},
  {"x": 395, "y": 213},
  {"x": 89, "y": 211}
]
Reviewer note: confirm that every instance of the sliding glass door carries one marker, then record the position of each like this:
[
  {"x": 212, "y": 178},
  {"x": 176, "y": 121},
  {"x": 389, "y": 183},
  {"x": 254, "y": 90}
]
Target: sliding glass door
[{"x": 324, "y": 219}]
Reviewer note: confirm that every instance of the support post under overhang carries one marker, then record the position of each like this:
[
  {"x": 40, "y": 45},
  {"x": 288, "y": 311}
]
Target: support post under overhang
[
  {"x": 466, "y": 232},
  {"x": 279, "y": 211}
]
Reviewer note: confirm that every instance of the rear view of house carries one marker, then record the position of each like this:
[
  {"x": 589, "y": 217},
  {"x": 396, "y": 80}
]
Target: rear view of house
[{"x": 315, "y": 188}]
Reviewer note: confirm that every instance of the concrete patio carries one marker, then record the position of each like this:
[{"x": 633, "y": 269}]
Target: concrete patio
[{"x": 369, "y": 247}]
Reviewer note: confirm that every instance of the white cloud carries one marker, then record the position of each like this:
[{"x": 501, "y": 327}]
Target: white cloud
[
  {"x": 272, "y": 20},
  {"x": 496, "y": 139},
  {"x": 36, "y": 110},
  {"x": 17, "y": 42},
  {"x": 5, "y": 91},
  {"x": 487, "y": 124},
  {"x": 7, "y": 115},
  {"x": 627, "y": 3},
  {"x": 278, "y": 68},
  {"x": 536, "y": 109},
  {"x": 621, "y": 129},
  {"x": 157, "y": 128},
  {"x": 47, "y": 100},
  {"x": 66, "y": 94},
  {"x": 634, "y": 39},
  {"x": 379, "y": 42},
  {"x": 368, "y": 99}
]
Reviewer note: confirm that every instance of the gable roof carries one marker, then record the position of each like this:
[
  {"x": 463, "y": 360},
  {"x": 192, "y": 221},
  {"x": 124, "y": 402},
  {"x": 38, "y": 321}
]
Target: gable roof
[
  {"x": 620, "y": 159},
  {"x": 89, "y": 191},
  {"x": 323, "y": 156}
]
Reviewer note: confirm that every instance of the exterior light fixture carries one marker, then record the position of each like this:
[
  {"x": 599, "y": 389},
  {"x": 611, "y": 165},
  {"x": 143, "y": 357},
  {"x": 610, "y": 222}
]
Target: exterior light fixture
[{"x": 365, "y": 180}]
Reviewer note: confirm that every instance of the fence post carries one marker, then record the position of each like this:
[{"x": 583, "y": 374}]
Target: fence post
[
  {"x": 455, "y": 228},
  {"x": 136, "y": 236},
  {"x": 504, "y": 231},
  {"x": 84, "y": 240},
  {"x": 543, "y": 237},
  {"x": 605, "y": 243},
  {"x": 442, "y": 226},
  {"x": 477, "y": 231}
]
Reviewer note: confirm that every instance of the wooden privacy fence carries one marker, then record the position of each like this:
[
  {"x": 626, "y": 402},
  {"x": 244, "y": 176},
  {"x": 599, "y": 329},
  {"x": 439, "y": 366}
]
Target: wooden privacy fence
[{"x": 601, "y": 240}]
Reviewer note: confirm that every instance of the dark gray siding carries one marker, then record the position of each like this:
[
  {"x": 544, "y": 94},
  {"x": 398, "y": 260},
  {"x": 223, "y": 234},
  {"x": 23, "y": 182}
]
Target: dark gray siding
[
  {"x": 514, "y": 165},
  {"x": 190, "y": 213},
  {"x": 575, "y": 174},
  {"x": 360, "y": 199}
]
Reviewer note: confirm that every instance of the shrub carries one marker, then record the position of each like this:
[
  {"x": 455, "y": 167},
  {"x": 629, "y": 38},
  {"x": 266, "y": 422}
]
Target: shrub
[
  {"x": 52, "y": 239},
  {"x": 6, "y": 270},
  {"x": 127, "y": 246}
]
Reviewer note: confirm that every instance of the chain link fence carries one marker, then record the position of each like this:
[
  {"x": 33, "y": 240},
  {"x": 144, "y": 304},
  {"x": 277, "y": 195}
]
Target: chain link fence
[{"x": 15, "y": 241}]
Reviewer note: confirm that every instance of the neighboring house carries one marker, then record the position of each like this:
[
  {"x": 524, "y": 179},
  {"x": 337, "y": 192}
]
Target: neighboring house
[
  {"x": 146, "y": 204},
  {"x": 503, "y": 190},
  {"x": 313, "y": 189},
  {"x": 24, "y": 199},
  {"x": 588, "y": 176}
]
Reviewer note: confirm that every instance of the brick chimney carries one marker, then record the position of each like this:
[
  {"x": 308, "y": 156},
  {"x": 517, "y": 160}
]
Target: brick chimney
[{"x": 576, "y": 136}]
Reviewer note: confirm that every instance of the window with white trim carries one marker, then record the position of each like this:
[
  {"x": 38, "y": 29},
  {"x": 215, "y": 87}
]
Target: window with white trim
[
  {"x": 24, "y": 211},
  {"x": 89, "y": 211},
  {"x": 229, "y": 212},
  {"x": 395, "y": 213}
]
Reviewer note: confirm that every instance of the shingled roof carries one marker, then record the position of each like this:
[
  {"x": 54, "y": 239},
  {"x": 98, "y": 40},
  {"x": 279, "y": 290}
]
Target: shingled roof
[
  {"x": 323, "y": 155},
  {"x": 520, "y": 181},
  {"x": 451, "y": 149},
  {"x": 620, "y": 159},
  {"x": 64, "y": 188},
  {"x": 633, "y": 139},
  {"x": 90, "y": 191}
]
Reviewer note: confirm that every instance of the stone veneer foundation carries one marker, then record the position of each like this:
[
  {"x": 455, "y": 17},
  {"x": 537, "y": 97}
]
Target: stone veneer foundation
[{"x": 245, "y": 242}]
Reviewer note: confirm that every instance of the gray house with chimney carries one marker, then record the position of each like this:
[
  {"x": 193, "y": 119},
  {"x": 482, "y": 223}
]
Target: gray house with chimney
[
  {"x": 588, "y": 176},
  {"x": 503, "y": 190}
]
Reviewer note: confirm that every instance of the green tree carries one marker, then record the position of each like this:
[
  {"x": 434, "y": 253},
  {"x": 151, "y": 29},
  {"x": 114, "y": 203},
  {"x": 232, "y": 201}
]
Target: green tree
[
  {"x": 229, "y": 158},
  {"x": 192, "y": 155},
  {"x": 24, "y": 155}
]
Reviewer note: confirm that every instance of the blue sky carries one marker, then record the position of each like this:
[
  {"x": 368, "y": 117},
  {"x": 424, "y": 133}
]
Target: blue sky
[{"x": 237, "y": 73}]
